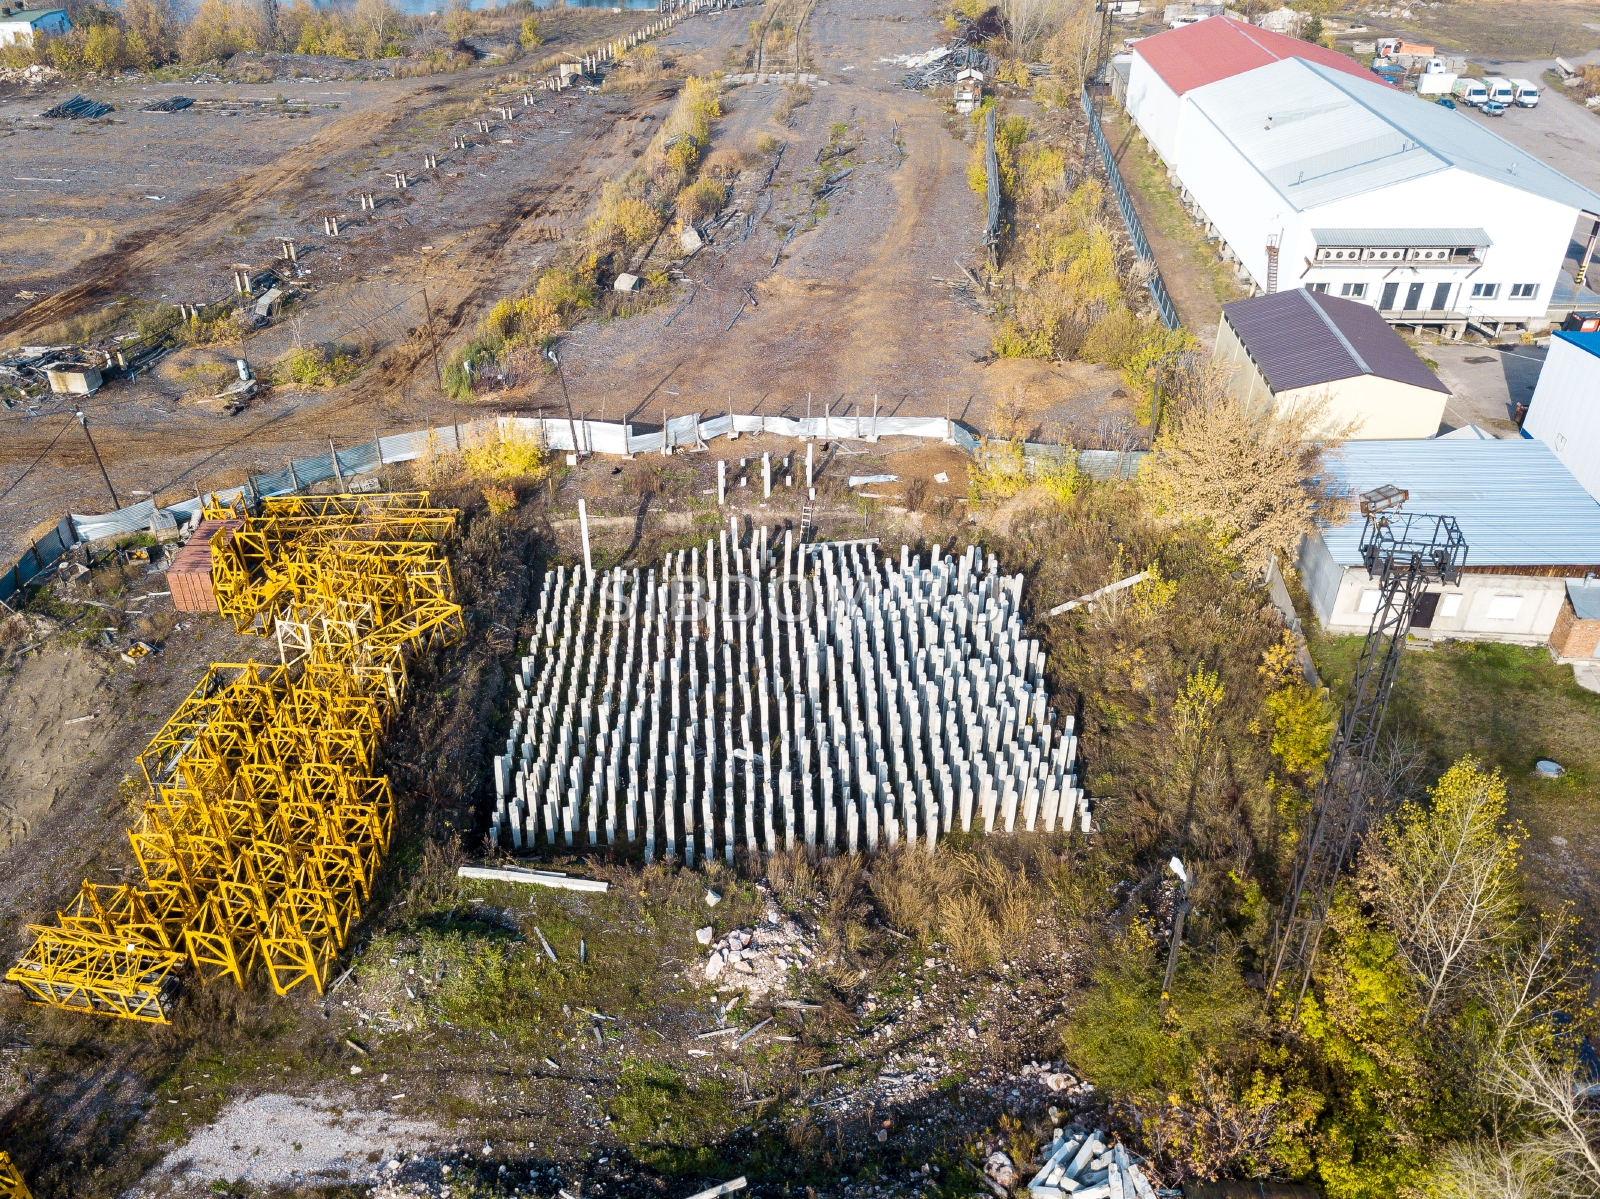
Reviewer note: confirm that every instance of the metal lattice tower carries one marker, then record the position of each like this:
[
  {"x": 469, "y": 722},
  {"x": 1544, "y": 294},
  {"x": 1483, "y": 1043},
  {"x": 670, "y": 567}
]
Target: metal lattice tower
[
  {"x": 11, "y": 1184},
  {"x": 266, "y": 821},
  {"x": 1405, "y": 553}
]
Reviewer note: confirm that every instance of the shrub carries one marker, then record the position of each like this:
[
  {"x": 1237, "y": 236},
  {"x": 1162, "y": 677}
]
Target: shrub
[
  {"x": 766, "y": 143},
  {"x": 499, "y": 500},
  {"x": 701, "y": 199},
  {"x": 317, "y": 366},
  {"x": 507, "y": 455},
  {"x": 530, "y": 36}
]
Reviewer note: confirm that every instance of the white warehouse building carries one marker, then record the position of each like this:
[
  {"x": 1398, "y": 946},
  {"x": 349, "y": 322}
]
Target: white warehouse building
[
  {"x": 1565, "y": 410},
  {"x": 1314, "y": 177}
]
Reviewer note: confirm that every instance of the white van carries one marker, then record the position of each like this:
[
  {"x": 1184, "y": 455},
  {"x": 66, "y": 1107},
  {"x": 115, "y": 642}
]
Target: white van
[
  {"x": 1469, "y": 91},
  {"x": 1500, "y": 90},
  {"x": 1526, "y": 94}
]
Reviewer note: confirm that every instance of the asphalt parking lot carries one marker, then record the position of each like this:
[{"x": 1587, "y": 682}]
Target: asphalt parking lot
[{"x": 1486, "y": 383}]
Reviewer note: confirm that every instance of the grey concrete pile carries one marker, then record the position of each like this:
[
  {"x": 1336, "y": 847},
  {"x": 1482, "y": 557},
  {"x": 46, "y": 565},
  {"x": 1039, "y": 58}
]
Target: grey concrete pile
[
  {"x": 779, "y": 694},
  {"x": 1080, "y": 1164}
]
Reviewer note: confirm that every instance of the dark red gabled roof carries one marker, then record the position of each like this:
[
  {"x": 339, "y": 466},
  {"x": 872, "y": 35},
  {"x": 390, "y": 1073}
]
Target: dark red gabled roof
[
  {"x": 1302, "y": 338},
  {"x": 1222, "y": 47}
]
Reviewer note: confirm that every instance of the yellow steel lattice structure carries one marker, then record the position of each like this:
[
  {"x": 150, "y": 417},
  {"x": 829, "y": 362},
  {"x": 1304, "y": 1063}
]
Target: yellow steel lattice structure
[
  {"x": 11, "y": 1184},
  {"x": 266, "y": 821}
]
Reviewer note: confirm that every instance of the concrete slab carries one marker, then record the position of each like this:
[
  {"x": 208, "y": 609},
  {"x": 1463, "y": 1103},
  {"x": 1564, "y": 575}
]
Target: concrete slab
[{"x": 1486, "y": 383}]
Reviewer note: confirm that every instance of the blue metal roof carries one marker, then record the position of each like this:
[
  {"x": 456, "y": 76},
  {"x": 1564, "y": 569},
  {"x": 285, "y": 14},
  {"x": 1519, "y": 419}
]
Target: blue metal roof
[
  {"x": 1584, "y": 341},
  {"x": 1516, "y": 504}
]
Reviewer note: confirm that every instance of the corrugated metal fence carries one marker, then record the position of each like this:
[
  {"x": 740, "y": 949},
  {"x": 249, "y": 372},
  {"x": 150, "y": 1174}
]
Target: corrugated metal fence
[
  {"x": 560, "y": 434},
  {"x": 1158, "y": 289}
]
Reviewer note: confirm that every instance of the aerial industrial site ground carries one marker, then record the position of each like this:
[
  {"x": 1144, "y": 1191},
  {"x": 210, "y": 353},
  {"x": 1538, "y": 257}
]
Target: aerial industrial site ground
[{"x": 672, "y": 654}]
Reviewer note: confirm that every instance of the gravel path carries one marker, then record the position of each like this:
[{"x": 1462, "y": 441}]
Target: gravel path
[{"x": 278, "y": 1140}]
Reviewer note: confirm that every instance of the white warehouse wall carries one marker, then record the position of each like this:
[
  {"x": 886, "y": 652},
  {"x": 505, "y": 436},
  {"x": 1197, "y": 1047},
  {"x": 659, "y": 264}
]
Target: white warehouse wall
[
  {"x": 1529, "y": 233},
  {"x": 1565, "y": 410},
  {"x": 1154, "y": 107}
]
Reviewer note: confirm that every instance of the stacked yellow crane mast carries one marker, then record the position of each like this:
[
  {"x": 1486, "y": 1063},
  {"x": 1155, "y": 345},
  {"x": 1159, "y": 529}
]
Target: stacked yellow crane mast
[
  {"x": 11, "y": 1184},
  {"x": 266, "y": 818}
]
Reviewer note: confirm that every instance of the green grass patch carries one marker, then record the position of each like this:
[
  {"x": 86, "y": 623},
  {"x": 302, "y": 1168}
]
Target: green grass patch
[
  {"x": 1509, "y": 706},
  {"x": 669, "y": 1122}
]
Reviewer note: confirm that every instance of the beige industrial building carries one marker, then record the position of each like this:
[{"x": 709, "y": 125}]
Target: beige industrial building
[{"x": 1294, "y": 347}]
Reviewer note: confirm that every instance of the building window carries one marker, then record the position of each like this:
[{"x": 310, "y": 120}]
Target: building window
[
  {"x": 1450, "y": 603},
  {"x": 1354, "y": 290},
  {"x": 1368, "y": 603},
  {"x": 1524, "y": 291},
  {"x": 1504, "y": 607},
  {"x": 1319, "y": 288},
  {"x": 1485, "y": 291}
]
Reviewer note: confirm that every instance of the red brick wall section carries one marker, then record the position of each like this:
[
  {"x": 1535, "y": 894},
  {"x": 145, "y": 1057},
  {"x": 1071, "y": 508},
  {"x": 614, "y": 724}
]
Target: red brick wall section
[{"x": 1574, "y": 638}]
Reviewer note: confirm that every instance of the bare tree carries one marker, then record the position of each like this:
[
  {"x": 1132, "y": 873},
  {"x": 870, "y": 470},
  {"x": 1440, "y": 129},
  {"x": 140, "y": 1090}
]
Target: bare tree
[
  {"x": 1556, "y": 1101},
  {"x": 1489, "y": 1171},
  {"x": 1256, "y": 475},
  {"x": 376, "y": 22},
  {"x": 1442, "y": 878},
  {"x": 1030, "y": 20}
]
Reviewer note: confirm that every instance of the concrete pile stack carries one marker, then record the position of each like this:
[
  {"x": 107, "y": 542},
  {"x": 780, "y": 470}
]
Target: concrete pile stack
[
  {"x": 1080, "y": 1164},
  {"x": 765, "y": 695}
]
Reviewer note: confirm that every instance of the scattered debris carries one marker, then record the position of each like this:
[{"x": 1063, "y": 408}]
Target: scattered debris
[
  {"x": 758, "y": 960},
  {"x": 867, "y": 480},
  {"x": 175, "y": 104},
  {"x": 78, "y": 108},
  {"x": 542, "y": 878}
]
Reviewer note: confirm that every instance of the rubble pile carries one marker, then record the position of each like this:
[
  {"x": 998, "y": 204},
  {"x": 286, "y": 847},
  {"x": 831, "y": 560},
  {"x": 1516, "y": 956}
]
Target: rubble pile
[
  {"x": 1052, "y": 1077},
  {"x": 758, "y": 960},
  {"x": 34, "y": 76}
]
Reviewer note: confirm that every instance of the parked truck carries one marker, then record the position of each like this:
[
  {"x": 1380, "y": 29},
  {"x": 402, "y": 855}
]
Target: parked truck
[
  {"x": 1469, "y": 91},
  {"x": 1499, "y": 90},
  {"x": 1435, "y": 80},
  {"x": 1527, "y": 95}
]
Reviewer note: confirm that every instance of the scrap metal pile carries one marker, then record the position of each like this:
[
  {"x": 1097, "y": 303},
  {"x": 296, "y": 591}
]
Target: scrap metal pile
[
  {"x": 940, "y": 66},
  {"x": 79, "y": 108},
  {"x": 27, "y": 368},
  {"x": 174, "y": 104},
  {"x": 266, "y": 819}
]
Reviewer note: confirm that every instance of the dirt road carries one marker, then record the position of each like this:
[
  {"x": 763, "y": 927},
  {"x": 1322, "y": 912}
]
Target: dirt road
[{"x": 867, "y": 298}]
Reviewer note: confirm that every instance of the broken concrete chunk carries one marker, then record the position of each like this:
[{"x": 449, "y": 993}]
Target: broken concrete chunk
[
  {"x": 691, "y": 240},
  {"x": 626, "y": 282},
  {"x": 703, "y": 935},
  {"x": 713, "y": 898}
]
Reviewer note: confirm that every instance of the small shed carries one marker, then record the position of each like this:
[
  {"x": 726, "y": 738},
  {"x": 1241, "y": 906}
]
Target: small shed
[
  {"x": 1565, "y": 410},
  {"x": 1531, "y": 531},
  {"x": 189, "y": 576},
  {"x": 19, "y": 25},
  {"x": 1577, "y": 629},
  {"x": 1299, "y": 346}
]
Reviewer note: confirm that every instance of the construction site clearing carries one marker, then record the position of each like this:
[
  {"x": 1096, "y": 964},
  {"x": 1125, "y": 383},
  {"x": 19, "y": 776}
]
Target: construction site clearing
[{"x": 318, "y": 880}]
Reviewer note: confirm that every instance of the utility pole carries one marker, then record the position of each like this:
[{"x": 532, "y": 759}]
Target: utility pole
[
  {"x": 1178, "y": 917},
  {"x": 571, "y": 423},
  {"x": 433, "y": 335},
  {"x": 83, "y": 420}
]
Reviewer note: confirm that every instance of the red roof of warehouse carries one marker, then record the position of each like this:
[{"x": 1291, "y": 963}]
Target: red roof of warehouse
[{"x": 1222, "y": 47}]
